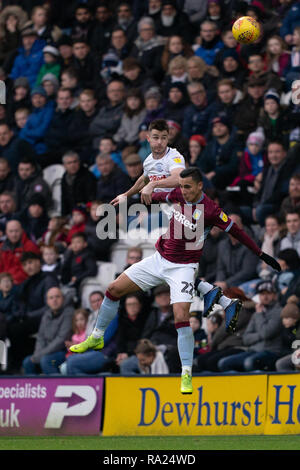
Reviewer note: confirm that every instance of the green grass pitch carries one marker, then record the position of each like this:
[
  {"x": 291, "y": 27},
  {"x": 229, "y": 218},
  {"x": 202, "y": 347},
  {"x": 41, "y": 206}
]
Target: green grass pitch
[{"x": 286, "y": 442}]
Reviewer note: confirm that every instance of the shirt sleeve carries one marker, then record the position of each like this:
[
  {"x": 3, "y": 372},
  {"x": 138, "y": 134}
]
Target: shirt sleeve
[
  {"x": 176, "y": 160},
  {"x": 164, "y": 196}
]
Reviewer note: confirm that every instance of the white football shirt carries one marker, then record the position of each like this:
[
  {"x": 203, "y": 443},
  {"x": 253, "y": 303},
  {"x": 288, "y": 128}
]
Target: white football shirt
[{"x": 159, "y": 169}]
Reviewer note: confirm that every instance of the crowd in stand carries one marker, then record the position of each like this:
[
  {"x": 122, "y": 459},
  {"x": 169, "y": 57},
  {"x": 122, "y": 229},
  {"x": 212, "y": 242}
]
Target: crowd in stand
[{"x": 83, "y": 81}]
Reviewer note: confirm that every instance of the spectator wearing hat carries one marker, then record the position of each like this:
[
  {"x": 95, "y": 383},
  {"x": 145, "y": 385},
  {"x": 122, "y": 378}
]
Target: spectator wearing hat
[
  {"x": 134, "y": 113},
  {"x": 292, "y": 239},
  {"x": 290, "y": 317},
  {"x": 273, "y": 120},
  {"x": 29, "y": 181},
  {"x": 155, "y": 105},
  {"x": 51, "y": 64},
  {"x": 172, "y": 21},
  {"x": 198, "y": 114},
  {"x": 211, "y": 43},
  {"x": 219, "y": 161},
  {"x": 231, "y": 68},
  {"x": 134, "y": 168},
  {"x": 34, "y": 218},
  {"x": 262, "y": 336},
  {"x": 176, "y": 139},
  {"x": 177, "y": 101},
  {"x": 50, "y": 83},
  {"x": 197, "y": 143},
  {"x": 29, "y": 58},
  {"x": 12, "y": 20},
  {"x": 108, "y": 119},
  {"x": 12, "y": 148},
  {"x": 65, "y": 48},
  {"x": 78, "y": 221},
  {"x": 39, "y": 121}
]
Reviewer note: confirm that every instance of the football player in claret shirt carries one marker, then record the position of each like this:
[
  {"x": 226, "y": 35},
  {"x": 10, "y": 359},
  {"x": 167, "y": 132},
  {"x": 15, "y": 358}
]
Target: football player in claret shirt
[{"x": 175, "y": 263}]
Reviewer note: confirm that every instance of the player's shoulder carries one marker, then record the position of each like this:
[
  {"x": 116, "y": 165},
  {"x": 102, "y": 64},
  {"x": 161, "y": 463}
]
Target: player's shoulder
[
  {"x": 148, "y": 159},
  {"x": 175, "y": 195},
  {"x": 174, "y": 156}
]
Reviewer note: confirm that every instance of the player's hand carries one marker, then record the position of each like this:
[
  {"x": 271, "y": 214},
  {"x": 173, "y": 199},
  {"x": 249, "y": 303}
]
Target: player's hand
[
  {"x": 270, "y": 261},
  {"x": 118, "y": 200},
  {"x": 146, "y": 194}
]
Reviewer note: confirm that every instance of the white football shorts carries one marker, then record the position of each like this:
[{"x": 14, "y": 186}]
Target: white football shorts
[{"x": 155, "y": 270}]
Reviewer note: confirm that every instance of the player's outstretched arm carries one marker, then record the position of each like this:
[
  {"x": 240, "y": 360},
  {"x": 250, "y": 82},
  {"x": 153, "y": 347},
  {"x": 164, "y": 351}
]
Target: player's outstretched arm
[
  {"x": 270, "y": 261},
  {"x": 171, "y": 181},
  {"x": 136, "y": 188}
]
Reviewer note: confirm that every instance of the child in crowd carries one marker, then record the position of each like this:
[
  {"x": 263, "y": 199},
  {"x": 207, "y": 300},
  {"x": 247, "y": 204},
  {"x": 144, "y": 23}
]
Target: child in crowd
[
  {"x": 290, "y": 317},
  {"x": 78, "y": 263},
  {"x": 199, "y": 334},
  {"x": 177, "y": 72},
  {"x": 56, "y": 233},
  {"x": 273, "y": 121},
  {"x": 51, "y": 65},
  {"x": 252, "y": 161},
  {"x": 277, "y": 55},
  {"x": 50, "y": 257},
  {"x": 78, "y": 221},
  {"x": 79, "y": 323},
  {"x": 133, "y": 116},
  {"x": 21, "y": 116},
  {"x": 149, "y": 360},
  {"x": 107, "y": 146}
]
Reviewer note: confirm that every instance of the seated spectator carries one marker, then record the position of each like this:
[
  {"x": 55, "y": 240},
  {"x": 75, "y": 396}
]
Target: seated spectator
[
  {"x": 34, "y": 218},
  {"x": 120, "y": 44},
  {"x": 197, "y": 144},
  {"x": 200, "y": 337},
  {"x": 79, "y": 324},
  {"x": 198, "y": 114},
  {"x": 19, "y": 97},
  {"x": 77, "y": 222},
  {"x": 199, "y": 71},
  {"x": 216, "y": 13},
  {"x": 108, "y": 119},
  {"x": 134, "y": 168},
  {"x": 292, "y": 239},
  {"x": 172, "y": 21},
  {"x": 232, "y": 69},
  {"x": 78, "y": 262},
  {"x": 78, "y": 183},
  {"x": 83, "y": 23},
  {"x": 70, "y": 79},
  {"x": 101, "y": 33},
  {"x": 132, "y": 319},
  {"x": 277, "y": 55},
  {"x": 41, "y": 24},
  {"x": 210, "y": 42},
  {"x": 65, "y": 48},
  {"x": 50, "y": 260},
  {"x": 228, "y": 98},
  {"x": 146, "y": 360},
  {"x": 38, "y": 122},
  {"x": 290, "y": 20},
  {"x": 9, "y": 308},
  {"x": 31, "y": 298},
  {"x": 219, "y": 161},
  {"x": 134, "y": 75},
  {"x": 289, "y": 261},
  {"x": 16, "y": 244},
  {"x": 84, "y": 64},
  {"x": 8, "y": 207},
  {"x": 177, "y": 72},
  {"x": 50, "y": 83},
  {"x": 175, "y": 46},
  {"x": 51, "y": 64},
  {"x": 29, "y": 181},
  {"x": 30, "y": 58},
  {"x": 177, "y": 101},
  {"x": 208, "y": 261},
  {"x": 99, "y": 247},
  {"x": 93, "y": 362},
  {"x": 126, "y": 20},
  {"x": 148, "y": 48},
  {"x": 230, "y": 44},
  {"x": 7, "y": 179},
  {"x": 224, "y": 344},
  {"x": 273, "y": 121},
  {"x": 176, "y": 139},
  {"x": 154, "y": 105},
  {"x": 262, "y": 336},
  {"x": 257, "y": 68},
  {"x": 113, "y": 180},
  {"x": 290, "y": 317},
  {"x": 144, "y": 146},
  {"x": 236, "y": 263},
  {"x": 55, "y": 328},
  {"x": 21, "y": 117},
  {"x": 13, "y": 148},
  {"x": 134, "y": 114},
  {"x": 56, "y": 233},
  {"x": 12, "y": 21},
  {"x": 292, "y": 201},
  {"x": 292, "y": 72}
]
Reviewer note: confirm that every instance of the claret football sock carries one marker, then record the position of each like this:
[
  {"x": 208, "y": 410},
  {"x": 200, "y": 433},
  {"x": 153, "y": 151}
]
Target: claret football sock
[{"x": 107, "y": 312}]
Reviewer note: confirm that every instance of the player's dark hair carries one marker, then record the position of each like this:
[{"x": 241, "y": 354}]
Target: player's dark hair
[
  {"x": 193, "y": 172},
  {"x": 159, "y": 125}
]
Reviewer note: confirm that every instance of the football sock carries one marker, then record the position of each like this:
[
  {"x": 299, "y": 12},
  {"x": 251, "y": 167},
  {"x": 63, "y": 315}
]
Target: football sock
[
  {"x": 185, "y": 344},
  {"x": 204, "y": 287},
  {"x": 107, "y": 312}
]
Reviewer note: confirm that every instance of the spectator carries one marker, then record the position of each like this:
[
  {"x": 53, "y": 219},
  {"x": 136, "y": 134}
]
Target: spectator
[
  {"x": 38, "y": 122},
  {"x": 108, "y": 147},
  {"x": 257, "y": 66},
  {"x": 292, "y": 239},
  {"x": 147, "y": 360},
  {"x": 8, "y": 207},
  {"x": 120, "y": 44},
  {"x": 9, "y": 308},
  {"x": 198, "y": 114},
  {"x": 77, "y": 222},
  {"x": 292, "y": 73},
  {"x": 292, "y": 201},
  {"x": 79, "y": 324},
  {"x": 101, "y": 33},
  {"x": 30, "y": 181},
  {"x": 177, "y": 72},
  {"x": 175, "y": 46},
  {"x": 290, "y": 316},
  {"x": 83, "y": 23},
  {"x": 154, "y": 104},
  {"x": 154, "y": 8},
  {"x": 56, "y": 233},
  {"x": 64, "y": 45},
  {"x": 177, "y": 101},
  {"x": 34, "y": 218},
  {"x": 135, "y": 76},
  {"x": 219, "y": 161},
  {"x": 12, "y": 248},
  {"x": 78, "y": 262},
  {"x": 228, "y": 98},
  {"x": 262, "y": 336},
  {"x": 100, "y": 247},
  {"x": 133, "y": 115},
  {"x": 78, "y": 183},
  {"x": 109, "y": 116},
  {"x": 210, "y": 42},
  {"x": 131, "y": 323},
  {"x": 236, "y": 264},
  {"x": 50, "y": 259},
  {"x": 134, "y": 168},
  {"x": 12, "y": 21},
  {"x": 144, "y": 146},
  {"x": 176, "y": 139},
  {"x": 113, "y": 180},
  {"x": 21, "y": 117},
  {"x": 84, "y": 64},
  {"x": 46, "y": 31},
  {"x": 172, "y": 21},
  {"x": 208, "y": 262},
  {"x": 70, "y": 79},
  {"x": 51, "y": 64},
  {"x": 289, "y": 261},
  {"x": 232, "y": 69},
  {"x": 199, "y": 334},
  {"x": 198, "y": 71},
  {"x": 277, "y": 55},
  {"x": 29, "y": 58},
  {"x": 54, "y": 330},
  {"x": 126, "y": 21},
  {"x": 291, "y": 19},
  {"x": 18, "y": 98},
  {"x": 13, "y": 148},
  {"x": 273, "y": 121},
  {"x": 7, "y": 179}
]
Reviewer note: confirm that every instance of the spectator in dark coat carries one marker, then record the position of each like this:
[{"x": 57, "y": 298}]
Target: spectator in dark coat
[
  {"x": 78, "y": 262},
  {"x": 292, "y": 201},
  {"x": 78, "y": 183},
  {"x": 290, "y": 317},
  {"x": 55, "y": 328},
  {"x": 84, "y": 64},
  {"x": 197, "y": 115},
  {"x": 236, "y": 263},
  {"x": 126, "y": 21},
  {"x": 101, "y": 34},
  {"x": 176, "y": 103},
  {"x": 13, "y": 148},
  {"x": 171, "y": 22},
  {"x": 34, "y": 218},
  {"x": 134, "y": 75},
  {"x": 112, "y": 181},
  {"x": 30, "y": 181},
  {"x": 9, "y": 307},
  {"x": 219, "y": 161},
  {"x": 8, "y": 207},
  {"x": 7, "y": 179}
]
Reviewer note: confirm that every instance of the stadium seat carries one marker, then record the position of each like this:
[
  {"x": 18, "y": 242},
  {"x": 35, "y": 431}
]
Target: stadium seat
[
  {"x": 86, "y": 288},
  {"x": 106, "y": 272},
  {"x": 119, "y": 255},
  {"x": 56, "y": 198}
]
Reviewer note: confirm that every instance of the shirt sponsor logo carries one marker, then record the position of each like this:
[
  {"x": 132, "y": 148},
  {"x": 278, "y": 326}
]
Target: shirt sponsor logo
[
  {"x": 177, "y": 160},
  {"x": 223, "y": 217}
]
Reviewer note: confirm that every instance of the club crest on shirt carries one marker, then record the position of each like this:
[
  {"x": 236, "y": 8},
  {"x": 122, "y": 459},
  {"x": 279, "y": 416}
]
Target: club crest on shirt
[
  {"x": 223, "y": 217},
  {"x": 197, "y": 214},
  {"x": 159, "y": 167}
]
